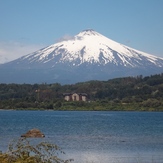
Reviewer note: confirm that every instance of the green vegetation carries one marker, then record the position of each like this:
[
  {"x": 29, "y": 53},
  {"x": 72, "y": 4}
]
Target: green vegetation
[
  {"x": 22, "y": 151},
  {"x": 129, "y": 93}
]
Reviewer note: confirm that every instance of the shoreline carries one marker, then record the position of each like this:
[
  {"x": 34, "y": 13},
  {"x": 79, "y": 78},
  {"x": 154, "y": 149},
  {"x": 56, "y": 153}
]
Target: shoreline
[{"x": 80, "y": 110}]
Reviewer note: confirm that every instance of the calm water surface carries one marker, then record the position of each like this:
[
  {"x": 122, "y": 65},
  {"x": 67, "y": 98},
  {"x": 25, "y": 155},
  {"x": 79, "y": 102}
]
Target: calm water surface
[{"x": 98, "y": 137}]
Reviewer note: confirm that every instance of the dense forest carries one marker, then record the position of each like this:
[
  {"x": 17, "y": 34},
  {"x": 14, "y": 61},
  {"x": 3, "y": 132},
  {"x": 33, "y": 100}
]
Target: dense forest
[{"x": 129, "y": 93}]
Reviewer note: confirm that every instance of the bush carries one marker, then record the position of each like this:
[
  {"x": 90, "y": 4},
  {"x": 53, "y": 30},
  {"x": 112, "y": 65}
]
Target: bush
[{"x": 22, "y": 151}]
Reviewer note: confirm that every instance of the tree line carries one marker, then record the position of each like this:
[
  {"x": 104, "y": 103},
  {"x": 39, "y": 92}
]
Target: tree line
[{"x": 127, "y": 93}]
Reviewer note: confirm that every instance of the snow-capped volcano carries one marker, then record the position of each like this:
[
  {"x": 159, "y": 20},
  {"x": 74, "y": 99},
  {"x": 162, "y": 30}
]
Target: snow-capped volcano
[
  {"x": 91, "y": 47},
  {"x": 87, "y": 56}
]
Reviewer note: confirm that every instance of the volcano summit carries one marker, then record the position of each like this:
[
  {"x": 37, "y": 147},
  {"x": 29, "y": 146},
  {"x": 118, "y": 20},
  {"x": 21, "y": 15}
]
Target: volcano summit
[{"x": 87, "y": 56}]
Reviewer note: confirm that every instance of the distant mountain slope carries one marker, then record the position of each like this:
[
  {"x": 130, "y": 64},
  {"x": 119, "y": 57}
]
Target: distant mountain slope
[{"x": 87, "y": 56}]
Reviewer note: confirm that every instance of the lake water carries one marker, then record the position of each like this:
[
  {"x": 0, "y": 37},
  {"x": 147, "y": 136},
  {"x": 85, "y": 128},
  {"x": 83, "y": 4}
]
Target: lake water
[{"x": 92, "y": 137}]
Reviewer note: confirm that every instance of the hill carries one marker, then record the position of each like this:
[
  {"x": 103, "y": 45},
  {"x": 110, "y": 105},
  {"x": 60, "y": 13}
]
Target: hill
[{"x": 129, "y": 93}]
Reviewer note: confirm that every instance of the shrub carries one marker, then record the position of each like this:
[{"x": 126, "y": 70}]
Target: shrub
[{"x": 22, "y": 151}]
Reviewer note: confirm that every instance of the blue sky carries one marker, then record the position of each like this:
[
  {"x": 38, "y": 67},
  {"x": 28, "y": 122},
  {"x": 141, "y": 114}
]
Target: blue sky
[{"x": 27, "y": 25}]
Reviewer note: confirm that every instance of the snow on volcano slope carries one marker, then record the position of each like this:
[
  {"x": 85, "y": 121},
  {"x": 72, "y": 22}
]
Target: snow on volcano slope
[
  {"x": 87, "y": 56},
  {"x": 91, "y": 47}
]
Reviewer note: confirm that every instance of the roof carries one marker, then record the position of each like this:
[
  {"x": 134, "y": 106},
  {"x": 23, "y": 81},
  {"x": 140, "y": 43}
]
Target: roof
[{"x": 68, "y": 94}]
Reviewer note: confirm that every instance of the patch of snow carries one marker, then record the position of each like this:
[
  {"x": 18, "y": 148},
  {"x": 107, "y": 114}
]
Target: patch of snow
[{"x": 90, "y": 46}]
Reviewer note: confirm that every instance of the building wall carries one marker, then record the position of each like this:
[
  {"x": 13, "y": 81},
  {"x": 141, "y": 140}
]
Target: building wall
[
  {"x": 67, "y": 98},
  {"x": 84, "y": 98},
  {"x": 75, "y": 97}
]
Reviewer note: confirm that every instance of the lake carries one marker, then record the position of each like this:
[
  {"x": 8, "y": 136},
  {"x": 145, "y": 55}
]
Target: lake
[{"x": 92, "y": 136}]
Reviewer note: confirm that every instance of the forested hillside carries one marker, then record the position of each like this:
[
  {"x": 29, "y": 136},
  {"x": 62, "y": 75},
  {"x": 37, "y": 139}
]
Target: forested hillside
[{"x": 130, "y": 93}]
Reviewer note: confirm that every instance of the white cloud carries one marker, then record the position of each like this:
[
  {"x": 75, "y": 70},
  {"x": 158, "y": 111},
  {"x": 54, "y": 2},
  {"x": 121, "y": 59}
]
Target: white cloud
[
  {"x": 65, "y": 38},
  {"x": 13, "y": 50}
]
